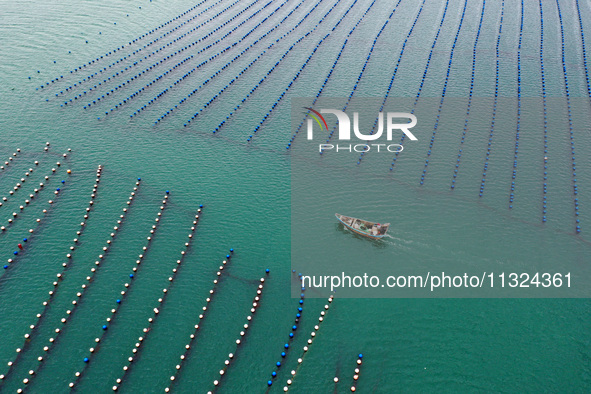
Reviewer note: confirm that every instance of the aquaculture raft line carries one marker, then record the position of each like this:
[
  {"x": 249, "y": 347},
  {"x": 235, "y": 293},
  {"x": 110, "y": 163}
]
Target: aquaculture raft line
[
  {"x": 84, "y": 286},
  {"x": 193, "y": 336},
  {"x": 127, "y": 288}
]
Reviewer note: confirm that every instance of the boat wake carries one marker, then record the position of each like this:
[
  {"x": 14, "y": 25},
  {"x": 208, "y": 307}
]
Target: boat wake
[{"x": 405, "y": 241}]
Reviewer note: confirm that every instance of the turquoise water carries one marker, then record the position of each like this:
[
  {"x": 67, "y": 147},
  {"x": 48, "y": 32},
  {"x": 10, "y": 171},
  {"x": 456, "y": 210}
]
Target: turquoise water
[{"x": 409, "y": 345}]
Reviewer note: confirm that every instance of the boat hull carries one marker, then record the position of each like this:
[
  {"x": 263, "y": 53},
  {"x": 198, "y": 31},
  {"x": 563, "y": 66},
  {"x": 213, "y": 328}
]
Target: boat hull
[{"x": 350, "y": 222}]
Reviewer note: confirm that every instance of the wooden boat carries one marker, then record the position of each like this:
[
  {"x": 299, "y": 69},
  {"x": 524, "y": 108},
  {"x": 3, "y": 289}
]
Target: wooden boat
[{"x": 364, "y": 227}]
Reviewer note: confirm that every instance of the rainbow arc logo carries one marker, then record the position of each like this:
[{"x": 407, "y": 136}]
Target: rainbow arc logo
[
  {"x": 316, "y": 115},
  {"x": 386, "y": 124}
]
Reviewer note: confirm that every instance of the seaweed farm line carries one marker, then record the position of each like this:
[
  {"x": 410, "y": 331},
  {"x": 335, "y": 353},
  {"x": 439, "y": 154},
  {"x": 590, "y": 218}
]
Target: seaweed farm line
[
  {"x": 237, "y": 65},
  {"x": 137, "y": 244},
  {"x": 37, "y": 349}
]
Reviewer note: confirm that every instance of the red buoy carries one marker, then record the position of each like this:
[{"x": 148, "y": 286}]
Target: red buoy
[{"x": 20, "y": 246}]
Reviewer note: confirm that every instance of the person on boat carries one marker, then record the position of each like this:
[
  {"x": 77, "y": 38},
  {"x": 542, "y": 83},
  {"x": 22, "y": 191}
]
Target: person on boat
[{"x": 381, "y": 230}]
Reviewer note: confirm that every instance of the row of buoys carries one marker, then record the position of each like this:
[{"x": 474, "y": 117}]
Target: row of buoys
[
  {"x": 141, "y": 37},
  {"x": 122, "y": 59},
  {"x": 292, "y": 333},
  {"x": 17, "y": 186},
  {"x": 10, "y": 159},
  {"x": 38, "y": 222},
  {"x": 470, "y": 95},
  {"x": 156, "y": 310},
  {"x": 289, "y": 85},
  {"x": 194, "y": 91},
  {"x": 135, "y": 63},
  {"x": 350, "y": 32},
  {"x": 148, "y": 85},
  {"x": 309, "y": 343},
  {"x": 129, "y": 67},
  {"x": 56, "y": 283},
  {"x": 269, "y": 72},
  {"x": 255, "y": 304},
  {"x": 84, "y": 287},
  {"x": 198, "y": 52},
  {"x": 213, "y": 57},
  {"x": 545, "y": 108},
  {"x": 89, "y": 208},
  {"x": 389, "y": 89},
  {"x": 423, "y": 78},
  {"x": 10, "y": 262},
  {"x": 244, "y": 71},
  {"x": 192, "y": 337},
  {"x": 445, "y": 84},
  {"x": 32, "y": 195},
  {"x": 235, "y": 58},
  {"x": 307, "y": 112},
  {"x": 26, "y": 174},
  {"x": 126, "y": 289},
  {"x": 112, "y": 91},
  {"x": 583, "y": 49},
  {"x": 25, "y": 204},
  {"x": 367, "y": 60},
  {"x": 586, "y": 75},
  {"x": 285, "y": 90},
  {"x": 356, "y": 372},
  {"x": 165, "y": 58},
  {"x": 570, "y": 122},
  {"x": 518, "y": 125},
  {"x": 334, "y": 64},
  {"x": 495, "y": 102}
]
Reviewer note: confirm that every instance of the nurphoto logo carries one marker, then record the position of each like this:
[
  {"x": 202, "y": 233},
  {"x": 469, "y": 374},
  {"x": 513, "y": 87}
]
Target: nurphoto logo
[{"x": 344, "y": 125}]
